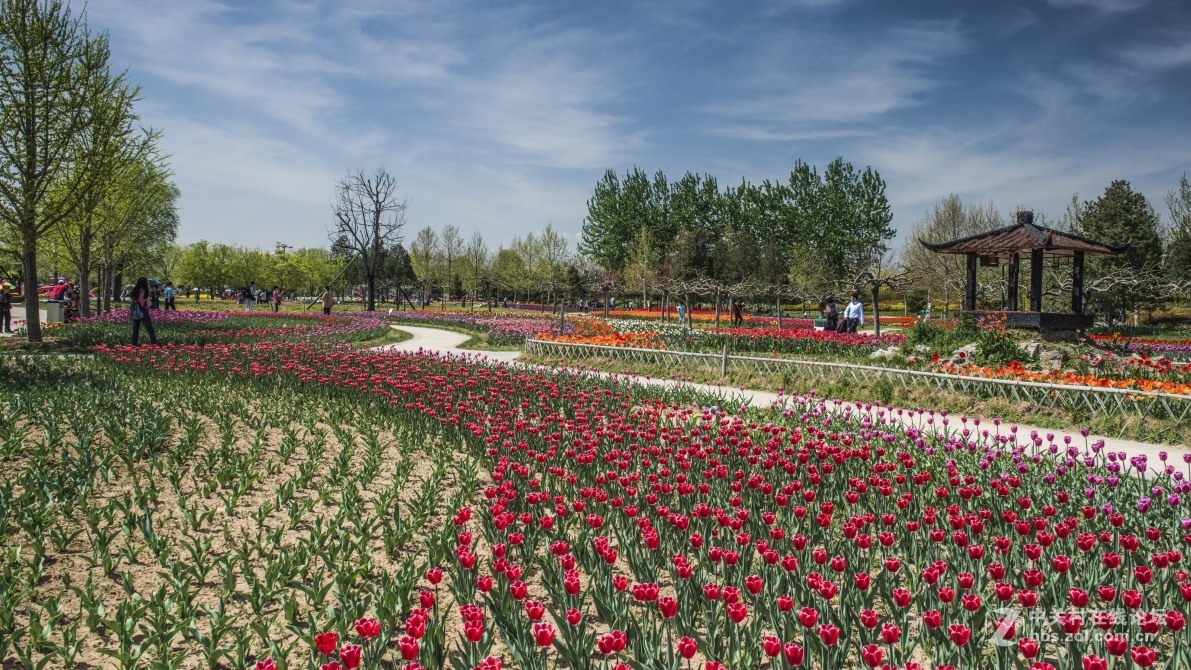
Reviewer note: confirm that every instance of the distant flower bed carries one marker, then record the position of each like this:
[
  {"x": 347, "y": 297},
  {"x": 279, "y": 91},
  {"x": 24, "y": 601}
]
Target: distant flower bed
[
  {"x": 207, "y": 327},
  {"x": 499, "y": 328}
]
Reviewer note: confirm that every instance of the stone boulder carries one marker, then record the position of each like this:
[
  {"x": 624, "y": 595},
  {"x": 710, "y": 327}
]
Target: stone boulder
[
  {"x": 1052, "y": 360},
  {"x": 964, "y": 354},
  {"x": 1031, "y": 349}
]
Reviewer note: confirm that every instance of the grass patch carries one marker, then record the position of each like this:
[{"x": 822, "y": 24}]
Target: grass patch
[{"x": 393, "y": 336}]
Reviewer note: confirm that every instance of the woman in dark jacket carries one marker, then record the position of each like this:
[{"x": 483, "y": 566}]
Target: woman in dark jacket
[{"x": 140, "y": 299}]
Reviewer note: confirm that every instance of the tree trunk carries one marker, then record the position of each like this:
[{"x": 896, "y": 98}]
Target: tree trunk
[
  {"x": 779, "y": 312},
  {"x": 32, "y": 303},
  {"x": 371, "y": 302},
  {"x": 717, "y": 309},
  {"x": 876, "y": 312},
  {"x": 85, "y": 275}
]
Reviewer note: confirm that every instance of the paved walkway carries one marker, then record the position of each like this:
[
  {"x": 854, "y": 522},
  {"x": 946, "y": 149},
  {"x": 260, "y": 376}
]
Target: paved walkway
[
  {"x": 435, "y": 341},
  {"x": 18, "y": 319}
]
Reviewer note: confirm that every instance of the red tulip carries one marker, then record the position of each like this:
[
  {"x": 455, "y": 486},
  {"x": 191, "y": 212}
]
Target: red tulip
[
  {"x": 794, "y": 654},
  {"x": 350, "y": 655},
  {"x": 574, "y": 616},
  {"x": 408, "y": 647},
  {"x": 829, "y": 634},
  {"x": 434, "y": 575},
  {"x": 808, "y": 617},
  {"x": 473, "y": 630},
  {"x": 868, "y": 618},
  {"x": 367, "y": 628},
  {"x": 1143, "y": 656},
  {"x": 267, "y": 664},
  {"x": 1116, "y": 644},
  {"x": 326, "y": 643},
  {"x": 518, "y": 590},
  {"x": 543, "y": 634},
  {"x": 613, "y": 642},
  {"x": 737, "y": 612},
  {"x": 771, "y": 645},
  {"x": 1028, "y": 647},
  {"x": 890, "y": 633},
  {"x": 1093, "y": 662},
  {"x": 959, "y": 634},
  {"x": 687, "y": 647},
  {"x": 332, "y": 665},
  {"x": 1175, "y": 621},
  {"x": 932, "y": 619},
  {"x": 668, "y": 607},
  {"x": 534, "y": 610},
  {"x": 426, "y": 598},
  {"x": 871, "y": 655}
]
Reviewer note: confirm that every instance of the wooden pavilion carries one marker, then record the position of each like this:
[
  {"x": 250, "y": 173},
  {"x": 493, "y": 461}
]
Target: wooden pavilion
[{"x": 1005, "y": 246}]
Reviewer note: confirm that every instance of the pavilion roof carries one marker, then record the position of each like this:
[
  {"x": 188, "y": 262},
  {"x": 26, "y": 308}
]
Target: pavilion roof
[{"x": 1024, "y": 237}]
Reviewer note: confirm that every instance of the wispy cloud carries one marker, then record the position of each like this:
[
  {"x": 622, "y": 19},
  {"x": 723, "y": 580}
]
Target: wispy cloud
[
  {"x": 1101, "y": 6},
  {"x": 799, "y": 79}
]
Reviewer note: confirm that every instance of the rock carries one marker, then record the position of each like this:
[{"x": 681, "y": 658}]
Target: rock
[
  {"x": 1052, "y": 360},
  {"x": 888, "y": 353},
  {"x": 964, "y": 354},
  {"x": 1031, "y": 349}
]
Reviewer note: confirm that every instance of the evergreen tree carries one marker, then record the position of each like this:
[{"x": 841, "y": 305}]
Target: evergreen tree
[
  {"x": 1178, "y": 250},
  {"x": 1118, "y": 218}
]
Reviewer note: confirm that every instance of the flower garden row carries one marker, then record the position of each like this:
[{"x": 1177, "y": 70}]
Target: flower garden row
[{"x": 307, "y": 504}]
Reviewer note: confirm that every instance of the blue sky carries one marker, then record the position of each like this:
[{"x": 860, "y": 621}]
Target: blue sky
[{"x": 500, "y": 117}]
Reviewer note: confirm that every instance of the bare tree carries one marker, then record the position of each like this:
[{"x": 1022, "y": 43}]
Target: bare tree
[
  {"x": 452, "y": 249},
  {"x": 478, "y": 257},
  {"x": 881, "y": 275},
  {"x": 369, "y": 218}
]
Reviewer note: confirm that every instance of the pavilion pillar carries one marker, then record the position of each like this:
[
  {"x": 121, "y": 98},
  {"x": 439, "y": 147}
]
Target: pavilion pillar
[
  {"x": 1014, "y": 283},
  {"x": 1077, "y": 282},
  {"x": 1036, "y": 280},
  {"x": 970, "y": 284}
]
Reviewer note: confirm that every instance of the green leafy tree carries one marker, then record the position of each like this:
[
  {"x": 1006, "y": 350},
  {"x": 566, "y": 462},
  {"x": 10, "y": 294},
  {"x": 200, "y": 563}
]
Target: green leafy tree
[
  {"x": 1120, "y": 217},
  {"x": 55, "y": 90},
  {"x": 1178, "y": 250}
]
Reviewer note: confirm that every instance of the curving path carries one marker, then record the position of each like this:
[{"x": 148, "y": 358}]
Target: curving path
[{"x": 445, "y": 342}]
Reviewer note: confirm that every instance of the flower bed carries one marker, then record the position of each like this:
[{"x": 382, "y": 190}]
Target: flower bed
[
  {"x": 414, "y": 512},
  {"x": 498, "y": 328}
]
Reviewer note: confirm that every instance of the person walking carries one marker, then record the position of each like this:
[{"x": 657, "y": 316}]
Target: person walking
[
  {"x": 5, "y": 308},
  {"x": 831, "y": 314},
  {"x": 276, "y": 299},
  {"x": 327, "y": 299},
  {"x": 246, "y": 294},
  {"x": 138, "y": 312},
  {"x": 737, "y": 314},
  {"x": 170, "y": 296},
  {"x": 853, "y": 315},
  {"x": 681, "y": 308}
]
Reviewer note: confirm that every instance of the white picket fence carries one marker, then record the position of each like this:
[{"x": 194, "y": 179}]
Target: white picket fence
[{"x": 1068, "y": 397}]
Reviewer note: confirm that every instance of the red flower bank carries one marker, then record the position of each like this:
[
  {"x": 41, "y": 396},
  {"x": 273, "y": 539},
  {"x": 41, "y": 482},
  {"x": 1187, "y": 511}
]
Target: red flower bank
[{"x": 622, "y": 532}]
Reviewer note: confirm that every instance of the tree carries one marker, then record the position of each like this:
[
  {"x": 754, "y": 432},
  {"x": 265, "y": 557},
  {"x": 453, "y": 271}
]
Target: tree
[
  {"x": 423, "y": 253},
  {"x": 477, "y": 257},
  {"x": 950, "y": 219},
  {"x": 1120, "y": 217},
  {"x": 1178, "y": 250},
  {"x": 452, "y": 248},
  {"x": 369, "y": 218},
  {"x": 54, "y": 81}
]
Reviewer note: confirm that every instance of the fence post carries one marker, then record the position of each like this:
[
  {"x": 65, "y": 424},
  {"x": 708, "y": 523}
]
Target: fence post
[{"x": 724, "y": 363}]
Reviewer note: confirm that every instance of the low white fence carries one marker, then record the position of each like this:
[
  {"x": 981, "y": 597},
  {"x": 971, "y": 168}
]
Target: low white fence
[{"x": 1069, "y": 397}]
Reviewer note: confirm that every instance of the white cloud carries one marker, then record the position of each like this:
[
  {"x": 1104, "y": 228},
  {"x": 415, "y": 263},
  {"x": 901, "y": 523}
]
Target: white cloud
[
  {"x": 813, "y": 80},
  {"x": 1101, "y": 6}
]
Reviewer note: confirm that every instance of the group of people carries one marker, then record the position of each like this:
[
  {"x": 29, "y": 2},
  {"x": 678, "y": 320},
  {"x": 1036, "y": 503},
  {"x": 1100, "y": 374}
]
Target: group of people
[
  {"x": 847, "y": 320},
  {"x": 249, "y": 295}
]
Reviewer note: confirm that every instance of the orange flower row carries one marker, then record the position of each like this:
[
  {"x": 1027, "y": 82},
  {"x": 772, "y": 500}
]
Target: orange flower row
[
  {"x": 1016, "y": 370},
  {"x": 637, "y": 340}
]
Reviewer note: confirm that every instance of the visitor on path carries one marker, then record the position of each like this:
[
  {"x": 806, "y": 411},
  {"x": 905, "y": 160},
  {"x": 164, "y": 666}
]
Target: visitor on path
[
  {"x": 328, "y": 300},
  {"x": 831, "y": 314},
  {"x": 246, "y": 295},
  {"x": 853, "y": 315},
  {"x": 276, "y": 299},
  {"x": 681, "y": 314},
  {"x": 138, "y": 312},
  {"x": 737, "y": 314},
  {"x": 197, "y": 293},
  {"x": 170, "y": 296},
  {"x": 154, "y": 297},
  {"x": 5, "y": 308}
]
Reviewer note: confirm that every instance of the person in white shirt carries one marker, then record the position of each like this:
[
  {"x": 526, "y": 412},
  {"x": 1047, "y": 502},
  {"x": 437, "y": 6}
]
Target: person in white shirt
[{"x": 853, "y": 315}]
